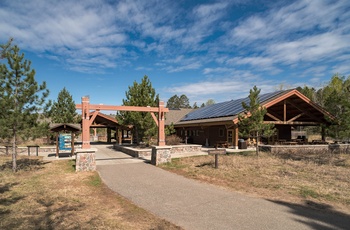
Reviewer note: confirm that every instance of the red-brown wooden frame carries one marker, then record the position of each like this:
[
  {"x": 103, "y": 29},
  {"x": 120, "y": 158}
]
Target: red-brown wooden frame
[{"x": 85, "y": 106}]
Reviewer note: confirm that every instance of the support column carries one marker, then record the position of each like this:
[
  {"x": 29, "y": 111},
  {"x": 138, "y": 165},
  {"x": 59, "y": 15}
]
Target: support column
[
  {"x": 235, "y": 138},
  {"x": 161, "y": 131},
  {"x": 85, "y": 135},
  {"x": 109, "y": 135}
]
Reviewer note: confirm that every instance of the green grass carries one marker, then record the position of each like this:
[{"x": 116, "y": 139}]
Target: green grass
[
  {"x": 94, "y": 180},
  {"x": 308, "y": 192}
]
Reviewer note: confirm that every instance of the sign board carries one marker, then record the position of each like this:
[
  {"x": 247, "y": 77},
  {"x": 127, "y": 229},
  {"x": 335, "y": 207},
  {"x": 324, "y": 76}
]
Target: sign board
[
  {"x": 217, "y": 151},
  {"x": 65, "y": 141}
]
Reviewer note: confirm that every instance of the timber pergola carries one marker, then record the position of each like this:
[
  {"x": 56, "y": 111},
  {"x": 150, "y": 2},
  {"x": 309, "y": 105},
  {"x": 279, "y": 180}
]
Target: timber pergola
[
  {"x": 87, "y": 120},
  {"x": 108, "y": 122}
]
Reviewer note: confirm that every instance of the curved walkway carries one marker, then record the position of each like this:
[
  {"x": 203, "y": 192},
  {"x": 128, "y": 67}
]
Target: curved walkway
[{"x": 195, "y": 205}]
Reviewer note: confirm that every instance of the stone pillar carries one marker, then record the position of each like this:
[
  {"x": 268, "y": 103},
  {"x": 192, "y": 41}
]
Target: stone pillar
[
  {"x": 85, "y": 161},
  {"x": 161, "y": 155}
]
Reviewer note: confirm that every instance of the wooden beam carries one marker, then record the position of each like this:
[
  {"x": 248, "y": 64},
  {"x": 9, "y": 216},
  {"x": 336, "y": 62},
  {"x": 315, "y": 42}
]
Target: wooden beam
[
  {"x": 284, "y": 110},
  {"x": 296, "y": 117},
  {"x": 292, "y": 122},
  {"x": 154, "y": 118},
  {"x": 303, "y": 110},
  {"x": 121, "y": 108},
  {"x": 273, "y": 117},
  {"x": 93, "y": 117}
]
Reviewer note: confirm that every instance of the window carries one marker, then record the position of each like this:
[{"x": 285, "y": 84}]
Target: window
[{"x": 221, "y": 132}]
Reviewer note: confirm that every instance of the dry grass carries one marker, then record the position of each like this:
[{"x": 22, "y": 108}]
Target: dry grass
[
  {"x": 50, "y": 195},
  {"x": 321, "y": 181}
]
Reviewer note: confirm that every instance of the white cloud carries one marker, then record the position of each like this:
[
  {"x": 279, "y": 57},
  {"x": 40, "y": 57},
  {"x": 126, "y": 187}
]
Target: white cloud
[
  {"x": 310, "y": 48},
  {"x": 290, "y": 21}
]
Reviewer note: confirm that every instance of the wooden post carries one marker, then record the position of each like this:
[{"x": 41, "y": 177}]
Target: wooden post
[
  {"x": 235, "y": 130},
  {"x": 72, "y": 143},
  {"x": 85, "y": 101},
  {"x": 161, "y": 131},
  {"x": 57, "y": 134},
  {"x": 217, "y": 152}
]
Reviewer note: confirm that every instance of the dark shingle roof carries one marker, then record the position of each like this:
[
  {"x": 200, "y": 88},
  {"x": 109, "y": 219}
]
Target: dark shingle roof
[
  {"x": 226, "y": 109},
  {"x": 175, "y": 115}
]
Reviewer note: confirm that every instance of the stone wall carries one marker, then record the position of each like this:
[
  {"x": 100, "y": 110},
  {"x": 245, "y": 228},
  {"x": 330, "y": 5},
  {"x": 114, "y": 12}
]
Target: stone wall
[
  {"x": 134, "y": 152},
  {"x": 290, "y": 149},
  {"x": 185, "y": 148},
  {"x": 174, "y": 149}
]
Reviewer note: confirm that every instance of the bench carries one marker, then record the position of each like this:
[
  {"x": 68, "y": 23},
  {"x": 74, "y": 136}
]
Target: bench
[{"x": 221, "y": 144}]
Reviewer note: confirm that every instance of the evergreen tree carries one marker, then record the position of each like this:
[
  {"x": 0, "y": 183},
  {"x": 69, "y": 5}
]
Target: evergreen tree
[
  {"x": 337, "y": 102},
  {"x": 4, "y": 48},
  {"x": 195, "y": 106},
  {"x": 210, "y": 102},
  {"x": 173, "y": 102},
  {"x": 63, "y": 110},
  {"x": 140, "y": 94},
  {"x": 20, "y": 99},
  {"x": 251, "y": 123},
  {"x": 176, "y": 102},
  {"x": 184, "y": 102}
]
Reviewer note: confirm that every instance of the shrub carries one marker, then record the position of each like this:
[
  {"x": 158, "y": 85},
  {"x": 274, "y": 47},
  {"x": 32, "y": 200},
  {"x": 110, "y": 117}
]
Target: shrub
[{"x": 173, "y": 140}]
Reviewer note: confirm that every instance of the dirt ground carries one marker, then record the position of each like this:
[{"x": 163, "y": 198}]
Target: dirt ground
[
  {"x": 319, "y": 181},
  {"x": 51, "y": 195}
]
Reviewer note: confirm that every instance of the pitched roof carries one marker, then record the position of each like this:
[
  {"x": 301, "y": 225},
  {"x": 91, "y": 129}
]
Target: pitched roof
[
  {"x": 175, "y": 115},
  {"x": 300, "y": 108},
  {"x": 57, "y": 127},
  {"x": 227, "y": 108}
]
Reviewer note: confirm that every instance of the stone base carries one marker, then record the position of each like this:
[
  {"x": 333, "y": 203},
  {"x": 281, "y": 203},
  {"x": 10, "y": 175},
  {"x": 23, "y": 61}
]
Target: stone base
[
  {"x": 161, "y": 155},
  {"x": 85, "y": 161}
]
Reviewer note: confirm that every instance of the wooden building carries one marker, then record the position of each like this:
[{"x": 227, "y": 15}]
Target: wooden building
[{"x": 218, "y": 123}]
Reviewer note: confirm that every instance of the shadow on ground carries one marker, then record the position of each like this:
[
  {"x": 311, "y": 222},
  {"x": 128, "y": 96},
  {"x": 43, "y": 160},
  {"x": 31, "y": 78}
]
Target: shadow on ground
[
  {"x": 320, "y": 216},
  {"x": 24, "y": 164}
]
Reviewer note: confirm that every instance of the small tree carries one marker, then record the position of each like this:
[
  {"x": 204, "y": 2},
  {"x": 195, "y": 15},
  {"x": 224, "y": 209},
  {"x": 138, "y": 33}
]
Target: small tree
[
  {"x": 251, "y": 123},
  {"x": 63, "y": 110},
  {"x": 140, "y": 94},
  {"x": 19, "y": 99}
]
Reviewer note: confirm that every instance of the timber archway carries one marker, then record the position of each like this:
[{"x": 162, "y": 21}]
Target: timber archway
[{"x": 87, "y": 119}]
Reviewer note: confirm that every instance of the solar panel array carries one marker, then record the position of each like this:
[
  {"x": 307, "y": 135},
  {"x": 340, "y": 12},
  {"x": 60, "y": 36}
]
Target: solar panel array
[{"x": 225, "y": 109}]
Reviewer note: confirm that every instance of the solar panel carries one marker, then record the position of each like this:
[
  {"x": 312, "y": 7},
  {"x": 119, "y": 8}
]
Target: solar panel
[{"x": 225, "y": 109}]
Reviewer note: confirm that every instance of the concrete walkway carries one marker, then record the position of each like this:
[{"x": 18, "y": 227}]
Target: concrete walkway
[{"x": 194, "y": 205}]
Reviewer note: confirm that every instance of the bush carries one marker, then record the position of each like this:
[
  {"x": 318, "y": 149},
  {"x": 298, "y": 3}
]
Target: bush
[{"x": 173, "y": 140}]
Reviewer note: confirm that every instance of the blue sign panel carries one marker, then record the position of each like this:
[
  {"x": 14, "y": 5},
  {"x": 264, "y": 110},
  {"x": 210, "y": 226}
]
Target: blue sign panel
[{"x": 65, "y": 141}]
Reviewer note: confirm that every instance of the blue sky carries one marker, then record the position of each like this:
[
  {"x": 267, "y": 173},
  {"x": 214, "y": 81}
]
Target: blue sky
[{"x": 203, "y": 49}]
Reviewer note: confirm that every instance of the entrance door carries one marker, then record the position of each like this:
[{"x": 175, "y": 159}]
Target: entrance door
[{"x": 230, "y": 137}]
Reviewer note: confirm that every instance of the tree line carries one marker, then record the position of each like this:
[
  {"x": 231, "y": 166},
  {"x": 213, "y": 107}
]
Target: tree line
[{"x": 182, "y": 102}]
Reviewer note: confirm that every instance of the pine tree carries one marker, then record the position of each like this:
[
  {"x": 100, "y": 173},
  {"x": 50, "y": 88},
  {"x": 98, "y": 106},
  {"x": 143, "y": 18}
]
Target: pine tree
[
  {"x": 176, "y": 102},
  {"x": 63, "y": 110},
  {"x": 140, "y": 94},
  {"x": 251, "y": 123},
  {"x": 20, "y": 99}
]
